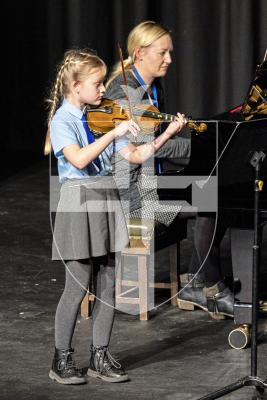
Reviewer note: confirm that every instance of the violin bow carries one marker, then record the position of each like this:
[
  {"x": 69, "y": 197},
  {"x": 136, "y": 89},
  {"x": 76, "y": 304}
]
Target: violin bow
[{"x": 125, "y": 81}]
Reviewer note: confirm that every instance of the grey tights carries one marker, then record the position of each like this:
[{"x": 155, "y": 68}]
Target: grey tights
[{"x": 78, "y": 278}]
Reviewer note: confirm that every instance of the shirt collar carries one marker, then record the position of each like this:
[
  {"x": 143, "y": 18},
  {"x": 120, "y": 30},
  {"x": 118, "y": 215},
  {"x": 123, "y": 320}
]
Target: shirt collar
[{"x": 72, "y": 109}]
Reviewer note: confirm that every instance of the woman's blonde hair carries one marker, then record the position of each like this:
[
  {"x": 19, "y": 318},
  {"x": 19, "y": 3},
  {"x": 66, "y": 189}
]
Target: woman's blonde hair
[
  {"x": 77, "y": 64},
  {"x": 143, "y": 35}
]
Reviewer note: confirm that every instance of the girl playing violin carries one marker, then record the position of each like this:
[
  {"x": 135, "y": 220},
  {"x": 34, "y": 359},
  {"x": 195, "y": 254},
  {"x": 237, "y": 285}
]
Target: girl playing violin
[
  {"x": 90, "y": 229},
  {"x": 149, "y": 48}
]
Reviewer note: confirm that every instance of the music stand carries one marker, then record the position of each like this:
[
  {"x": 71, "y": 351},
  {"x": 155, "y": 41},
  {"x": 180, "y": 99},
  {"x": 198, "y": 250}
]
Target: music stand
[{"x": 251, "y": 380}]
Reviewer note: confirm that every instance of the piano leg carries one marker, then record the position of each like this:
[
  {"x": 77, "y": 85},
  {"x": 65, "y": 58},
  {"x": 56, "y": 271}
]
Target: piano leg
[{"x": 242, "y": 262}]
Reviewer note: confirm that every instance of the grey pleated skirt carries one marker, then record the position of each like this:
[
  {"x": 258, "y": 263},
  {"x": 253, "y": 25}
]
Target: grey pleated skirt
[{"x": 89, "y": 221}]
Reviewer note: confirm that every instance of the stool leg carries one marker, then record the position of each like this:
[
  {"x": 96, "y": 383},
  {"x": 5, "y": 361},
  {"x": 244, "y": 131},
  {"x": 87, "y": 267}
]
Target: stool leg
[
  {"x": 143, "y": 287},
  {"x": 85, "y": 306},
  {"x": 174, "y": 252},
  {"x": 118, "y": 277}
]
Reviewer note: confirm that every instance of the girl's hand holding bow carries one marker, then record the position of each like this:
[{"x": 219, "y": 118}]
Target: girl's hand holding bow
[{"x": 126, "y": 127}]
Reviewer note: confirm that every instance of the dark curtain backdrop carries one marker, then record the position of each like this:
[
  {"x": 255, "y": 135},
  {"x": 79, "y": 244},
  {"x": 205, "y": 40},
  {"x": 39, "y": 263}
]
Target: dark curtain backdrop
[{"x": 217, "y": 46}]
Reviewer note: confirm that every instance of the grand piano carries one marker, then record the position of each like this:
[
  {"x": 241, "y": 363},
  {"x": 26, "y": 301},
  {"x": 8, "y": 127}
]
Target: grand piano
[
  {"x": 236, "y": 196},
  {"x": 241, "y": 132},
  {"x": 236, "y": 182}
]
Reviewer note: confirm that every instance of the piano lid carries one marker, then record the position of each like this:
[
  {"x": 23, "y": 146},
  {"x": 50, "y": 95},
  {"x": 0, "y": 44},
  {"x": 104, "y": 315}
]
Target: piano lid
[{"x": 234, "y": 165}]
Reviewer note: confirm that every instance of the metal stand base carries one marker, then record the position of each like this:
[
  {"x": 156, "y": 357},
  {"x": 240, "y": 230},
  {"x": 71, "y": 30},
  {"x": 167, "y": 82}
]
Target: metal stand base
[{"x": 259, "y": 384}]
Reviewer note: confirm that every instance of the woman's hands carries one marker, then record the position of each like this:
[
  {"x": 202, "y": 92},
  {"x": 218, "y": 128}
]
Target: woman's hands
[
  {"x": 139, "y": 154},
  {"x": 131, "y": 126},
  {"x": 127, "y": 126},
  {"x": 177, "y": 125}
]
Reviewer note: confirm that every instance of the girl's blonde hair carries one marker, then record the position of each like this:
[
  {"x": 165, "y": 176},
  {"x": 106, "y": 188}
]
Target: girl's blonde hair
[
  {"x": 143, "y": 35},
  {"x": 76, "y": 65}
]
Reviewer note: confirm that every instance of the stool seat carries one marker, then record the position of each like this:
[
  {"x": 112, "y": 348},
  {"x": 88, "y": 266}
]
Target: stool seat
[{"x": 140, "y": 229}]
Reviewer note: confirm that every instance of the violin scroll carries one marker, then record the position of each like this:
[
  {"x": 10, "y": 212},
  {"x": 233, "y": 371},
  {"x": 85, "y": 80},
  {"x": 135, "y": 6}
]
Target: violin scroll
[{"x": 198, "y": 127}]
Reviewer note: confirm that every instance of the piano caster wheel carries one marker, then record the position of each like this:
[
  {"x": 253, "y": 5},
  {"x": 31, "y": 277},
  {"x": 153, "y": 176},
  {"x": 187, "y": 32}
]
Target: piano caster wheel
[{"x": 239, "y": 338}]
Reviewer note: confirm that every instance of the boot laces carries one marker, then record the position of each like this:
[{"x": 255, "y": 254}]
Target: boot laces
[
  {"x": 105, "y": 355},
  {"x": 113, "y": 361},
  {"x": 69, "y": 362}
]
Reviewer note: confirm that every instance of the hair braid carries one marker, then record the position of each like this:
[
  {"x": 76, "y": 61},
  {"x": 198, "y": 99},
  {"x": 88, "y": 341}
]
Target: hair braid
[{"x": 53, "y": 101}]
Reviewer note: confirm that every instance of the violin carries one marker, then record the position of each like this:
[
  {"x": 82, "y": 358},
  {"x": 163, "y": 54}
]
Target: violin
[{"x": 103, "y": 118}]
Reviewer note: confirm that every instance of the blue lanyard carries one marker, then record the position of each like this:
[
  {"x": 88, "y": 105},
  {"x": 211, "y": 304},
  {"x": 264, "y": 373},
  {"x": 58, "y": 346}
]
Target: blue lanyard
[
  {"x": 156, "y": 103},
  {"x": 90, "y": 138},
  {"x": 142, "y": 83}
]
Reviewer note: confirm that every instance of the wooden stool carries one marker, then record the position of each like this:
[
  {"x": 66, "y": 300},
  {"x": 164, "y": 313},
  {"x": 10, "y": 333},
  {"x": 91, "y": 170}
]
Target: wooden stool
[
  {"x": 141, "y": 247},
  {"x": 143, "y": 243}
]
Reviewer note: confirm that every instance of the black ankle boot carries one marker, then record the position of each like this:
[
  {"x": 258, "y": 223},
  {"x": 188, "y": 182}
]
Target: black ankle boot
[
  {"x": 220, "y": 301},
  {"x": 64, "y": 370},
  {"x": 103, "y": 366},
  {"x": 192, "y": 295}
]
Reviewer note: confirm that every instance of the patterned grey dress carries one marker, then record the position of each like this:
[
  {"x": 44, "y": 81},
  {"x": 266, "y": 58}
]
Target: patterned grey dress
[{"x": 138, "y": 184}]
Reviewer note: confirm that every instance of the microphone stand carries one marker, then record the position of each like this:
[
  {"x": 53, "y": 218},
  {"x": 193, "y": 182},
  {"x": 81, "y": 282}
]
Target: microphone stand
[{"x": 252, "y": 379}]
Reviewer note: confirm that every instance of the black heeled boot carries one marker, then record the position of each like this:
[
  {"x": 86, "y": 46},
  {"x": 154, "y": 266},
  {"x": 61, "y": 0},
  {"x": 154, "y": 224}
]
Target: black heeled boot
[
  {"x": 64, "y": 370},
  {"x": 104, "y": 366},
  {"x": 220, "y": 301},
  {"x": 192, "y": 295}
]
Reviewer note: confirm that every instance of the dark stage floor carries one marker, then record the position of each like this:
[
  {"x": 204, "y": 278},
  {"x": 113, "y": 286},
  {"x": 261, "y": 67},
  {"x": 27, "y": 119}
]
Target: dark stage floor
[{"x": 176, "y": 355}]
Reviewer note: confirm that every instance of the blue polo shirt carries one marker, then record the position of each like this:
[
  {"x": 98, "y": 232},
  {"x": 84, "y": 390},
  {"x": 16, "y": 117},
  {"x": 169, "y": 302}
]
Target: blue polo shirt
[{"x": 66, "y": 128}]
